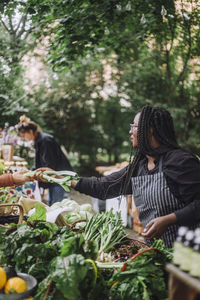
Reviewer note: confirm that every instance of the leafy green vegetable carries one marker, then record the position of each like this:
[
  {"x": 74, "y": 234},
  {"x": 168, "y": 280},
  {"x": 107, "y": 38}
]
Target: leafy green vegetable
[
  {"x": 69, "y": 274},
  {"x": 74, "y": 278},
  {"x": 76, "y": 244},
  {"x": 39, "y": 214},
  {"x": 30, "y": 173},
  {"x": 107, "y": 229},
  {"x": 42, "y": 289},
  {"x": 65, "y": 182},
  {"x": 34, "y": 245},
  {"x": 144, "y": 277},
  {"x": 64, "y": 262},
  {"x": 168, "y": 252}
]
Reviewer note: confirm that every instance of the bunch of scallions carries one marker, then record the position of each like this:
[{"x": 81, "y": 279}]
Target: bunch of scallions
[
  {"x": 106, "y": 229},
  {"x": 63, "y": 178}
]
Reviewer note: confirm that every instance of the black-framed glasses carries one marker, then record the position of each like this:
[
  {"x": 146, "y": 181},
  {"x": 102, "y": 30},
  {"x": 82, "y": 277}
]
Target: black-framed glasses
[{"x": 132, "y": 127}]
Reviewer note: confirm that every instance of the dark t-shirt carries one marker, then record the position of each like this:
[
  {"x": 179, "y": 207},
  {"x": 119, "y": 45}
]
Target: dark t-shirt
[
  {"x": 181, "y": 170},
  {"x": 49, "y": 154}
]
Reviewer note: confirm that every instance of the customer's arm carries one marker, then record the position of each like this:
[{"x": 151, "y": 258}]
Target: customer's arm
[{"x": 17, "y": 178}]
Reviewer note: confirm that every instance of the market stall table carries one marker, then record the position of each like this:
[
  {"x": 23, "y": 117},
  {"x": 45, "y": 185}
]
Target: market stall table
[{"x": 182, "y": 286}]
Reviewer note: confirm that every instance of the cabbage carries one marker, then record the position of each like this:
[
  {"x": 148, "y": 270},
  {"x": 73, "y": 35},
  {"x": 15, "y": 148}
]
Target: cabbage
[
  {"x": 80, "y": 225},
  {"x": 70, "y": 203},
  {"x": 66, "y": 203},
  {"x": 78, "y": 212},
  {"x": 72, "y": 218},
  {"x": 85, "y": 215},
  {"x": 86, "y": 207},
  {"x": 55, "y": 206}
]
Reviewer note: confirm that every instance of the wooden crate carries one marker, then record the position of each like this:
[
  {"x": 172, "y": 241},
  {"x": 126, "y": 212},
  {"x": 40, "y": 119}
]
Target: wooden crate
[{"x": 133, "y": 212}]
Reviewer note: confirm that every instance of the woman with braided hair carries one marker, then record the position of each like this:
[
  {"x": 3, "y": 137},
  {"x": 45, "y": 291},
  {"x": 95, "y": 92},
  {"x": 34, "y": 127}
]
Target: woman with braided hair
[{"x": 163, "y": 178}]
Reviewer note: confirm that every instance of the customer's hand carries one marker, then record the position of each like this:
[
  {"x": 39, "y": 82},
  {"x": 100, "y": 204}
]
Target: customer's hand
[
  {"x": 156, "y": 227},
  {"x": 19, "y": 178}
]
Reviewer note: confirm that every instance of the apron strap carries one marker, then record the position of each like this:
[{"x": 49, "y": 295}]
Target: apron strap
[{"x": 160, "y": 166}]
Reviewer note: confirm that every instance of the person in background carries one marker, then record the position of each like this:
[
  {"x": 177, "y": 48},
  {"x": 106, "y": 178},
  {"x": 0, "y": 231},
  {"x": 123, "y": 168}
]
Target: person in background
[
  {"x": 17, "y": 178},
  {"x": 48, "y": 153}
]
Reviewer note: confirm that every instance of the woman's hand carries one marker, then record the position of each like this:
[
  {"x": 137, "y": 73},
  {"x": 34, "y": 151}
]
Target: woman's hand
[
  {"x": 19, "y": 178},
  {"x": 156, "y": 227},
  {"x": 73, "y": 184}
]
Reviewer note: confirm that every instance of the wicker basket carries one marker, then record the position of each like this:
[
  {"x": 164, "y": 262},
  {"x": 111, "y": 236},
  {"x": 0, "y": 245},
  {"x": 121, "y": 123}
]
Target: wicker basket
[
  {"x": 11, "y": 216},
  {"x": 73, "y": 226}
]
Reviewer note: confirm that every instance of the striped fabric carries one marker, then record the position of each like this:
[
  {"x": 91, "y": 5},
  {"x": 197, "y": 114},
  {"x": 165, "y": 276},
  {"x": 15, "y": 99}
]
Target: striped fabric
[{"x": 153, "y": 199}]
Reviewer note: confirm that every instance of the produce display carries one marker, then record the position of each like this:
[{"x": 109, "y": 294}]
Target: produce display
[
  {"x": 70, "y": 265},
  {"x": 74, "y": 212}
]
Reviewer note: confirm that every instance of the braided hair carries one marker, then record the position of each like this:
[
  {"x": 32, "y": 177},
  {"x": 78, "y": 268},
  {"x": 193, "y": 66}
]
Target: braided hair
[{"x": 161, "y": 122}]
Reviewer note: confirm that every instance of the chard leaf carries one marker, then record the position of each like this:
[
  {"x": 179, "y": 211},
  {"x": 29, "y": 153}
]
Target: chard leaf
[
  {"x": 40, "y": 213},
  {"x": 39, "y": 270},
  {"x": 65, "y": 181},
  {"x": 68, "y": 273},
  {"x": 76, "y": 244}
]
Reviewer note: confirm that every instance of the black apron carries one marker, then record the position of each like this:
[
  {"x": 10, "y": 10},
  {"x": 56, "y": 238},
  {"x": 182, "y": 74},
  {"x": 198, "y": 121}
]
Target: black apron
[{"x": 153, "y": 199}]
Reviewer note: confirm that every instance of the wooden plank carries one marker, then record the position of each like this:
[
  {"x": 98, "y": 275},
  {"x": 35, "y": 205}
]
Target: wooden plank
[{"x": 190, "y": 281}]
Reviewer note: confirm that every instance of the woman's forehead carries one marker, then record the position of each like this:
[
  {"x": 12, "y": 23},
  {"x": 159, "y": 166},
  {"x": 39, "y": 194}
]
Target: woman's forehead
[{"x": 137, "y": 117}]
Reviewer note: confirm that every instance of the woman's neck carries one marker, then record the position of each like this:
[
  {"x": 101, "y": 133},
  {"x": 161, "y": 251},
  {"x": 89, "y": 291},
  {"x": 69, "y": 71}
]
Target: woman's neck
[{"x": 151, "y": 162}]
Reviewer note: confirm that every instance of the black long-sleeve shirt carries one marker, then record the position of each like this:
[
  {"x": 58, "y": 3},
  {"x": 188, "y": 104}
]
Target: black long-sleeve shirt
[
  {"x": 49, "y": 154},
  {"x": 181, "y": 170}
]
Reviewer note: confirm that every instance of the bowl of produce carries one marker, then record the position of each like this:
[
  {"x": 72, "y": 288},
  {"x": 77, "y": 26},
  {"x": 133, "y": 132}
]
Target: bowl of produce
[{"x": 16, "y": 286}]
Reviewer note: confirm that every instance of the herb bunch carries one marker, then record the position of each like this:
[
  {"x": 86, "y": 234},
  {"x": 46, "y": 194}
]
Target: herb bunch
[{"x": 106, "y": 229}]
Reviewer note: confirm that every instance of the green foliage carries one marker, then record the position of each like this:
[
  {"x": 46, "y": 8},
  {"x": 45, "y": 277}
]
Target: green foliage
[
  {"x": 76, "y": 244},
  {"x": 32, "y": 244},
  {"x": 108, "y": 59},
  {"x": 143, "y": 278},
  {"x": 15, "y": 28},
  {"x": 36, "y": 247}
]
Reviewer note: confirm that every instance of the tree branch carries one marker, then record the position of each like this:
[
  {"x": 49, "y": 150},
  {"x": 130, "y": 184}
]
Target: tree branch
[
  {"x": 19, "y": 23},
  {"x": 24, "y": 18},
  {"x": 167, "y": 52},
  {"x": 182, "y": 73},
  {"x": 11, "y": 25},
  {"x": 5, "y": 26}
]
